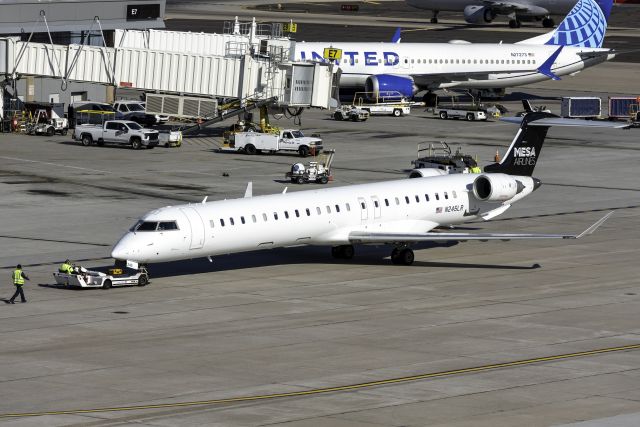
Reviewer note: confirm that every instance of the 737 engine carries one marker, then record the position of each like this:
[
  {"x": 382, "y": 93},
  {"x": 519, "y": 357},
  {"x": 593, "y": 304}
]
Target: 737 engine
[
  {"x": 389, "y": 85},
  {"x": 474, "y": 14},
  {"x": 496, "y": 187}
]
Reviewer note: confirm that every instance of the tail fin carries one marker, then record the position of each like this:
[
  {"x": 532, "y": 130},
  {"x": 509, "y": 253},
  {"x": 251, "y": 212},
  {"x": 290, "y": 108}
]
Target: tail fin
[
  {"x": 584, "y": 26},
  {"x": 397, "y": 36},
  {"x": 525, "y": 148}
]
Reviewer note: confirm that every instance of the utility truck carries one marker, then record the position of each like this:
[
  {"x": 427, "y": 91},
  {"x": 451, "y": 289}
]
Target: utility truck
[
  {"x": 122, "y": 132},
  {"x": 318, "y": 171},
  {"x": 283, "y": 140}
]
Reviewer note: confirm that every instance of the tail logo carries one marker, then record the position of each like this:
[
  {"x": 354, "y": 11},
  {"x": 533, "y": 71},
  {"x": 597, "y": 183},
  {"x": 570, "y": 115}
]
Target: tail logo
[{"x": 584, "y": 26}]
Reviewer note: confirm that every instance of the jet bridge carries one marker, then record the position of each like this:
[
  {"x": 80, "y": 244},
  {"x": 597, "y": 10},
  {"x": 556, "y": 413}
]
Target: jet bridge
[{"x": 242, "y": 72}]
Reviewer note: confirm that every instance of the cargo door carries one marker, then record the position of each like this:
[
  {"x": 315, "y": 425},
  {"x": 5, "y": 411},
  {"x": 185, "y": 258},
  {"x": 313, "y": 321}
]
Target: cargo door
[{"x": 197, "y": 227}]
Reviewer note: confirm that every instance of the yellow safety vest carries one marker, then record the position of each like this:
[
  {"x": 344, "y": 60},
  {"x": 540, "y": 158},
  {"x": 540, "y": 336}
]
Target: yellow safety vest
[
  {"x": 65, "y": 268},
  {"x": 18, "y": 280}
]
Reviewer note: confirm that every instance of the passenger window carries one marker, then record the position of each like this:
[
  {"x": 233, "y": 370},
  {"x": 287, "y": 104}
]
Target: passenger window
[
  {"x": 426, "y": 197},
  {"x": 222, "y": 222},
  {"x": 242, "y": 219},
  {"x": 348, "y": 207},
  {"x": 362, "y": 205},
  {"x": 286, "y": 214},
  {"x": 253, "y": 218},
  {"x": 386, "y": 202},
  {"x": 264, "y": 217},
  {"x": 397, "y": 201},
  {"x": 437, "y": 196},
  {"x": 406, "y": 199},
  {"x": 297, "y": 213},
  {"x": 375, "y": 203},
  {"x": 211, "y": 223},
  {"x": 328, "y": 209},
  {"x": 417, "y": 199},
  {"x": 318, "y": 210},
  {"x": 446, "y": 196},
  {"x": 308, "y": 212},
  {"x": 231, "y": 221},
  {"x": 455, "y": 196},
  {"x": 338, "y": 208},
  {"x": 275, "y": 216}
]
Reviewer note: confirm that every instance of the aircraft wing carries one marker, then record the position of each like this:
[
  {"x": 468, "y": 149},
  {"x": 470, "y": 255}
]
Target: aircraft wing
[
  {"x": 382, "y": 237},
  {"x": 507, "y": 7}
]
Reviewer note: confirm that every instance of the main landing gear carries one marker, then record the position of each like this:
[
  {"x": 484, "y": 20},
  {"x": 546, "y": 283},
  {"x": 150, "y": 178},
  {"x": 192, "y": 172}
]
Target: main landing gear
[
  {"x": 434, "y": 18},
  {"x": 401, "y": 255}
]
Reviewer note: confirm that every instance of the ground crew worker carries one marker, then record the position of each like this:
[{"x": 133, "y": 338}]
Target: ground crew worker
[
  {"x": 66, "y": 267},
  {"x": 18, "y": 280},
  {"x": 476, "y": 169}
]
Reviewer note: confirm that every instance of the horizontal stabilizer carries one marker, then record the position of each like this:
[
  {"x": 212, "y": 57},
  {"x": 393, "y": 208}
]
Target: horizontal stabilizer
[
  {"x": 378, "y": 237},
  {"x": 560, "y": 121}
]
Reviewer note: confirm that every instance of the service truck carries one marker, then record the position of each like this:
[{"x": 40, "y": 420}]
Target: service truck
[
  {"x": 284, "y": 140},
  {"x": 467, "y": 112},
  {"x": 121, "y": 132}
]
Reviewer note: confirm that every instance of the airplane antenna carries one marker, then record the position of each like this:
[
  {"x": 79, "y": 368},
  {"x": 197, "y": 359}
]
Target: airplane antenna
[{"x": 249, "y": 191}]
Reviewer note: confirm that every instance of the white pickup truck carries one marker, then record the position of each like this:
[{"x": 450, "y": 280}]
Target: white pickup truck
[
  {"x": 121, "y": 132},
  {"x": 286, "y": 140}
]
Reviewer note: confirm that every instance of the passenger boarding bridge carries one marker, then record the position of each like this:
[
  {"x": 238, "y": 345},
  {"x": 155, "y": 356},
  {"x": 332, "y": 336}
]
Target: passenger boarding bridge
[{"x": 243, "y": 64}]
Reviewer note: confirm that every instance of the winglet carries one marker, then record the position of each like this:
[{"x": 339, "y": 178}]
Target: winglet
[
  {"x": 595, "y": 226},
  {"x": 397, "y": 36},
  {"x": 545, "y": 68},
  {"x": 249, "y": 191}
]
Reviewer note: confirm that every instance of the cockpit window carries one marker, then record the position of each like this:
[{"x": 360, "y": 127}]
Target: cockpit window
[
  {"x": 167, "y": 225},
  {"x": 146, "y": 226}
]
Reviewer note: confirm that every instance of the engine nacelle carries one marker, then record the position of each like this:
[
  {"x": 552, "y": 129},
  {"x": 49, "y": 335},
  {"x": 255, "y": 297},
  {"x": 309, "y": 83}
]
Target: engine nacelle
[
  {"x": 496, "y": 187},
  {"x": 425, "y": 172},
  {"x": 389, "y": 86},
  {"x": 474, "y": 14}
]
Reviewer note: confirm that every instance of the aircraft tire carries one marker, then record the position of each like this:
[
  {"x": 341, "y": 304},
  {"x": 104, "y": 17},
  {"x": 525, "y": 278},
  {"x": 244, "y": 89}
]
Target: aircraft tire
[
  {"x": 106, "y": 284},
  {"x": 548, "y": 23},
  {"x": 347, "y": 251},
  {"x": 143, "y": 280},
  {"x": 394, "y": 256},
  {"x": 406, "y": 256}
]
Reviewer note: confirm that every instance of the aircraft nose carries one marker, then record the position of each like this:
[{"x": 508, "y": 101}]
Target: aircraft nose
[{"x": 121, "y": 249}]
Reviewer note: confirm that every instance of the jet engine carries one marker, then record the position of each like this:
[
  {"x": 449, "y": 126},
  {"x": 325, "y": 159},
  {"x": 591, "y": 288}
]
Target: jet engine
[
  {"x": 424, "y": 172},
  {"x": 475, "y": 14},
  {"x": 389, "y": 85},
  {"x": 496, "y": 187}
]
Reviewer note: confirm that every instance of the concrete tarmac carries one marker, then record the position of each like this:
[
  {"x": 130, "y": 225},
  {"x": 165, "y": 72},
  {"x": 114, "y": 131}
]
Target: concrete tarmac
[{"x": 295, "y": 319}]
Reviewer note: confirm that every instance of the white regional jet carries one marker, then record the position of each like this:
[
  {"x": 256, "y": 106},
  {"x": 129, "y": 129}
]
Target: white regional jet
[
  {"x": 406, "y": 68},
  {"x": 397, "y": 213},
  {"x": 476, "y": 11}
]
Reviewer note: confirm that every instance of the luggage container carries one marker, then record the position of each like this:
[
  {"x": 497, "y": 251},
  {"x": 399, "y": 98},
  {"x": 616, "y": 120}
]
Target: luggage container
[
  {"x": 581, "y": 107},
  {"x": 623, "y": 107}
]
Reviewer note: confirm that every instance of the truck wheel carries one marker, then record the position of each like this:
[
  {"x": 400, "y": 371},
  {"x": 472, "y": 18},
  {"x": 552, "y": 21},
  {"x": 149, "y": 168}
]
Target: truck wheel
[
  {"x": 106, "y": 284},
  {"x": 443, "y": 114},
  {"x": 323, "y": 180},
  {"x": 303, "y": 151},
  {"x": 250, "y": 149},
  {"x": 50, "y": 131},
  {"x": 397, "y": 112},
  {"x": 337, "y": 116},
  {"x": 354, "y": 118},
  {"x": 100, "y": 143},
  {"x": 300, "y": 180},
  {"x": 136, "y": 143},
  {"x": 65, "y": 131},
  {"x": 143, "y": 280},
  {"x": 470, "y": 117},
  {"x": 87, "y": 140}
]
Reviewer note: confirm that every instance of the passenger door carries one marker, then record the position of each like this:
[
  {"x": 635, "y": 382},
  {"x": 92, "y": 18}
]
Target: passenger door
[
  {"x": 197, "y": 227},
  {"x": 110, "y": 131},
  {"x": 364, "y": 210},
  {"x": 375, "y": 202}
]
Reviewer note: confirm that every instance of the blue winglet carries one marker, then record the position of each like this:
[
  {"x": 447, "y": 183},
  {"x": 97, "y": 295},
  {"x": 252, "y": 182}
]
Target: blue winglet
[
  {"x": 396, "y": 36},
  {"x": 545, "y": 68}
]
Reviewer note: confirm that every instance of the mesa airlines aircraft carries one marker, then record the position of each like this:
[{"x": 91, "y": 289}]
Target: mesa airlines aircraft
[
  {"x": 476, "y": 11},
  {"x": 397, "y": 213},
  {"x": 408, "y": 67}
]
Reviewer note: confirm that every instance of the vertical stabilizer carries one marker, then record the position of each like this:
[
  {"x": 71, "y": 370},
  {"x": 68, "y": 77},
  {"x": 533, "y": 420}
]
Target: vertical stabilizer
[{"x": 584, "y": 26}]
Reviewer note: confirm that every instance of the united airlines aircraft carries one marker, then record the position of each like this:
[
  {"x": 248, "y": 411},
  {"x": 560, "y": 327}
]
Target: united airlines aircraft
[
  {"x": 397, "y": 213},
  {"x": 406, "y": 68}
]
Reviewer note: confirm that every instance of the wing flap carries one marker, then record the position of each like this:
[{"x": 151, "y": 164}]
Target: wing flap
[{"x": 395, "y": 237}]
